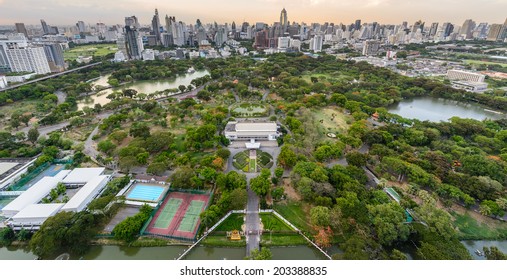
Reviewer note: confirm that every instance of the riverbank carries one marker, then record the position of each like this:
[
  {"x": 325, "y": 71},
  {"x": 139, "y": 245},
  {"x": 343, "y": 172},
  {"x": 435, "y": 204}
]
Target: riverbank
[{"x": 141, "y": 242}]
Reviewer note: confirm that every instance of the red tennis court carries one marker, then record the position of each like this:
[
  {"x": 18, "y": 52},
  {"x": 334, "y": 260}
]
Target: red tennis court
[{"x": 179, "y": 215}]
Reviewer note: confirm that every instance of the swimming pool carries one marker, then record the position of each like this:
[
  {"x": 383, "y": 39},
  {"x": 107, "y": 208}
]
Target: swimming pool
[{"x": 146, "y": 192}]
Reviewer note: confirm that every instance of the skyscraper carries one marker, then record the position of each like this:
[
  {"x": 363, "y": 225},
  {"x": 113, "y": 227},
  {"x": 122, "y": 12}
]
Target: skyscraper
[
  {"x": 503, "y": 32},
  {"x": 27, "y": 59},
  {"x": 45, "y": 27},
  {"x": 155, "y": 25},
  {"x": 81, "y": 26},
  {"x": 494, "y": 32},
  {"x": 433, "y": 29},
  {"x": 54, "y": 54},
  {"x": 283, "y": 20},
  {"x": 20, "y": 28},
  {"x": 357, "y": 25},
  {"x": 467, "y": 28}
]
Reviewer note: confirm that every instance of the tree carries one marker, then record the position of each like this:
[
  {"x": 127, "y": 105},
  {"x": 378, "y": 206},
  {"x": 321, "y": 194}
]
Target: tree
[
  {"x": 33, "y": 135},
  {"x": 182, "y": 88},
  {"x": 156, "y": 168},
  {"x": 140, "y": 130},
  {"x": 493, "y": 253},
  {"x": 323, "y": 237},
  {"x": 319, "y": 216},
  {"x": 223, "y": 153},
  {"x": 128, "y": 229},
  {"x": 126, "y": 163},
  {"x": 388, "y": 220},
  {"x": 6, "y": 236},
  {"x": 234, "y": 180},
  {"x": 261, "y": 184},
  {"x": 25, "y": 118},
  {"x": 356, "y": 159},
  {"x": 287, "y": 157},
  {"x": 238, "y": 199},
  {"x": 181, "y": 178},
  {"x": 106, "y": 146},
  {"x": 397, "y": 255},
  {"x": 263, "y": 254}
]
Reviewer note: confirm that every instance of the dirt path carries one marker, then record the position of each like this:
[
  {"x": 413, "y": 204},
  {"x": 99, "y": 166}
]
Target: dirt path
[{"x": 290, "y": 191}]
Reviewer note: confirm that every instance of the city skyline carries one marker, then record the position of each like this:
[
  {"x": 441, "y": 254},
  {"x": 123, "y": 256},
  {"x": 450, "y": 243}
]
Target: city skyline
[{"x": 60, "y": 12}]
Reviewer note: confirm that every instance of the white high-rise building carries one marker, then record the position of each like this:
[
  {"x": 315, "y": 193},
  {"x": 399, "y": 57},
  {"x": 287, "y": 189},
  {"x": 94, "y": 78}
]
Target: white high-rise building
[
  {"x": 29, "y": 59},
  {"x": 316, "y": 43},
  {"x": 283, "y": 42}
]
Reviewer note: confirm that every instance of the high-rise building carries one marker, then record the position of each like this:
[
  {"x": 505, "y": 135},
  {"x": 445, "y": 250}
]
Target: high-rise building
[
  {"x": 155, "y": 25},
  {"x": 45, "y": 27},
  {"x": 357, "y": 24},
  {"x": 261, "y": 39},
  {"x": 133, "y": 43},
  {"x": 283, "y": 42},
  {"x": 371, "y": 47},
  {"x": 448, "y": 28},
  {"x": 54, "y": 55},
  {"x": 433, "y": 29},
  {"x": 494, "y": 32},
  {"x": 20, "y": 28},
  {"x": 467, "y": 28},
  {"x": 503, "y": 32},
  {"x": 132, "y": 21},
  {"x": 81, "y": 26},
  {"x": 27, "y": 59},
  {"x": 283, "y": 20},
  {"x": 316, "y": 43}
]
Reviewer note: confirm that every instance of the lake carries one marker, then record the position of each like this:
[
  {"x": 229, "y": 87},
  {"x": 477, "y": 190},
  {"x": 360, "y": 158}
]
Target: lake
[
  {"x": 146, "y": 87},
  {"x": 439, "y": 109},
  {"x": 473, "y": 245}
]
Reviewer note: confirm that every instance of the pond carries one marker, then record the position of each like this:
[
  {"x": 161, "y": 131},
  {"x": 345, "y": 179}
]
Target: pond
[
  {"x": 473, "y": 245},
  {"x": 169, "y": 253},
  {"x": 146, "y": 87},
  {"x": 439, "y": 109}
]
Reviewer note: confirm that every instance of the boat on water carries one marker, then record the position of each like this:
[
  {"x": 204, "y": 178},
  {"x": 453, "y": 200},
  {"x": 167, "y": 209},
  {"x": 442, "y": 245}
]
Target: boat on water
[{"x": 479, "y": 253}]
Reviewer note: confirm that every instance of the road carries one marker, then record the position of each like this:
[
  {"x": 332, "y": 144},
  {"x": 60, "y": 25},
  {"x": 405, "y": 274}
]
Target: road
[
  {"x": 50, "y": 76},
  {"x": 252, "y": 222}
]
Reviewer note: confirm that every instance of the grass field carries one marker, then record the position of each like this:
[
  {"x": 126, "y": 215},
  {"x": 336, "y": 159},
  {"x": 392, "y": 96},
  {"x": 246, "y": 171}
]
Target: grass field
[
  {"x": 234, "y": 222},
  {"x": 469, "y": 228},
  {"x": 240, "y": 160},
  {"x": 485, "y": 62},
  {"x": 332, "y": 120},
  {"x": 21, "y": 106},
  {"x": 295, "y": 213},
  {"x": 271, "y": 222},
  {"x": 223, "y": 241},
  {"x": 253, "y": 166},
  {"x": 90, "y": 50},
  {"x": 264, "y": 160},
  {"x": 282, "y": 240}
]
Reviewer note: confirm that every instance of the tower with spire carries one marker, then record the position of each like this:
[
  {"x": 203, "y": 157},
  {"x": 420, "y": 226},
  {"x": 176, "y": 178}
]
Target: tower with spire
[
  {"x": 155, "y": 24},
  {"x": 283, "y": 20}
]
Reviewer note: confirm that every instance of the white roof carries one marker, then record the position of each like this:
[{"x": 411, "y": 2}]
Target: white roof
[
  {"x": 86, "y": 193},
  {"x": 38, "y": 211},
  {"x": 82, "y": 175},
  {"x": 265, "y": 126},
  {"x": 6, "y": 166},
  {"x": 34, "y": 194}
]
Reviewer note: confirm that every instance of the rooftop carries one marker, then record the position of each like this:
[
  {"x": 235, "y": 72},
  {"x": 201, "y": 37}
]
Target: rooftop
[
  {"x": 38, "y": 211},
  {"x": 251, "y": 126},
  {"x": 82, "y": 175}
]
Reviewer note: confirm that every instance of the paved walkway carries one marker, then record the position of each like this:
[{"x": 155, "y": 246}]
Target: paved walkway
[{"x": 252, "y": 222}]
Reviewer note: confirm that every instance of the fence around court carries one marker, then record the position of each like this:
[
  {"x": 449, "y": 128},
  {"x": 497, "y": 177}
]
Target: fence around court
[{"x": 29, "y": 177}]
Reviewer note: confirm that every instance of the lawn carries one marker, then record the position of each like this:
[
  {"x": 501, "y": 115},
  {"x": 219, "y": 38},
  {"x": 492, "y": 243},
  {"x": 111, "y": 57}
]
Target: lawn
[
  {"x": 295, "y": 213},
  {"x": 223, "y": 241},
  {"x": 271, "y": 222},
  {"x": 90, "y": 50},
  {"x": 264, "y": 160},
  {"x": 469, "y": 228},
  {"x": 253, "y": 166},
  {"x": 282, "y": 240},
  {"x": 22, "y": 106},
  {"x": 240, "y": 160},
  {"x": 233, "y": 222},
  {"x": 332, "y": 120},
  {"x": 485, "y": 62}
]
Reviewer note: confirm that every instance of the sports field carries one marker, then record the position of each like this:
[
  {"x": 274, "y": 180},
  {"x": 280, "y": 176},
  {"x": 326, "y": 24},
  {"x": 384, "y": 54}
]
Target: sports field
[{"x": 178, "y": 216}]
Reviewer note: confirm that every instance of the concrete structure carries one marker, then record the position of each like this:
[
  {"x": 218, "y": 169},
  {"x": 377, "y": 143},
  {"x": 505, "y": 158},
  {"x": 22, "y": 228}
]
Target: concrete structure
[
  {"x": 80, "y": 176},
  {"x": 19, "y": 78},
  {"x": 34, "y": 194},
  {"x": 371, "y": 47},
  {"x": 477, "y": 87},
  {"x": 27, "y": 59},
  {"x": 243, "y": 131},
  {"x": 3, "y": 81},
  {"x": 33, "y": 216},
  {"x": 459, "y": 75},
  {"x": 316, "y": 43},
  {"x": 86, "y": 194}
]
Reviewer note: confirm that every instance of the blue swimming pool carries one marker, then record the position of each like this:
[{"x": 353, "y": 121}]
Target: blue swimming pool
[{"x": 146, "y": 192}]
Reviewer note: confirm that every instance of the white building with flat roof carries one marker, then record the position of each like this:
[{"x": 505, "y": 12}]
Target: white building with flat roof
[
  {"x": 459, "y": 75},
  {"x": 34, "y": 194},
  {"x": 86, "y": 194},
  {"x": 80, "y": 176},
  {"x": 245, "y": 131},
  {"x": 34, "y": 215},
  {"x": 3, "y": 81}
]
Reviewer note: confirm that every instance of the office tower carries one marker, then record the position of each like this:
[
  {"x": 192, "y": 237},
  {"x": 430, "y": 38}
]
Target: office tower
[
  {"x": 244, "y": 26},
  {"x": 53, "y": 30},
  {"x": 155, "y": 25},
  {"x": 101, "y": 28},
  {"x": 220, "y": 37},
  {"x": 132, "y": 21},
  {"x": 4, "y": 62},
  {"x": 357, "y": 25},
  {"x": 27, "y": 59},
  {"x": 283, "y": 42},
  {"x": 233, "y": 28},
  {"x": 261, "y": 39},
  {"x": 283, "y": 20},
  {"x": 503, "y": 32},
  {"x": 20, "y": 28},
  {"x": 45, "y": 27},
  {"x": 448, "y": 28},
  {"x": 433, "y": 29},
  {"x": 81, "y": 26},
  {"x": 54, "y": 55},
  {"x": 494, "y": 32},
  {"x": 133, "y": 43},
  {"x": 418, "y": 25},
  {"x": 467, "y": 28}
]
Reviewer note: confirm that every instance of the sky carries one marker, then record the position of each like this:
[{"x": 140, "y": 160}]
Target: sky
[{"x": 68, "y": 12}]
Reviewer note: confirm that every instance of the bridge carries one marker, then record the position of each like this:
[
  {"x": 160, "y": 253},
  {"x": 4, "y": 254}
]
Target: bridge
[{"x": 11, "y": 193}]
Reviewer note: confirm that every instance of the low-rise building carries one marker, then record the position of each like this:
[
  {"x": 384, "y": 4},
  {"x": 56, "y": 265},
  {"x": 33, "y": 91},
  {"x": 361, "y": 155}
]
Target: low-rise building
[{"x": 245, "y": 131}]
